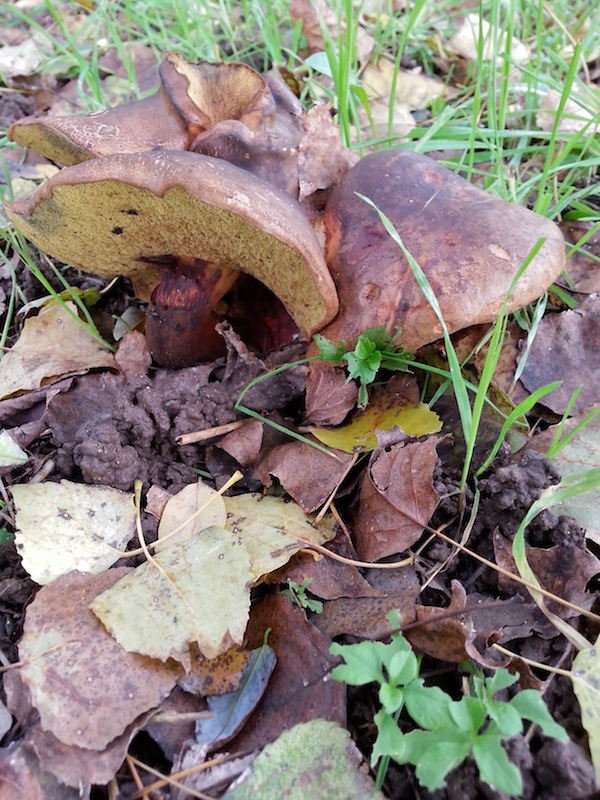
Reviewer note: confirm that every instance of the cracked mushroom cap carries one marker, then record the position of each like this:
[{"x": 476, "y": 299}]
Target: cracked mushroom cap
[
  {"x": 150, "y": 124},
  {"x": 469, "y": 244},
  {"x": 192, "y": 98},
  {"x": 125, "y": 214}
]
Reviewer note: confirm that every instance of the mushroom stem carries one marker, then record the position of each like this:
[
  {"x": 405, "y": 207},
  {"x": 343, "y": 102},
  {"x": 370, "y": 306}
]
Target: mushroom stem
[{"x": 183, "y": 312}]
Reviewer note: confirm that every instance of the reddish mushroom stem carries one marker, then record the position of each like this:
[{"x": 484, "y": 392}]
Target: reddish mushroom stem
[{"x": 183, "y": 312}]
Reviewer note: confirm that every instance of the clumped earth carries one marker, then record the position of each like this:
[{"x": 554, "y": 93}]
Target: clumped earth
[{"x": 111, "y": 428}]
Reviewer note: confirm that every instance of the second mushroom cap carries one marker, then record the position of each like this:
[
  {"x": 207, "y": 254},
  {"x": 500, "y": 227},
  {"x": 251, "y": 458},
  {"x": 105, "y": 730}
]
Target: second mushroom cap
[{"x": 469, "y": 244}]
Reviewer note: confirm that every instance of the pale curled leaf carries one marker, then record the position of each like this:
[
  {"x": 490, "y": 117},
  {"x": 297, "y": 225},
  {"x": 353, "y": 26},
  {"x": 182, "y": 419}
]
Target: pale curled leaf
[
  {"x": 585, "y": 675},
  {"x": 51, "y": 345},
  {"x": 195, "y": 507},
  {"x": 196, "y": 591},
  {"x": 11, "y": 454}
]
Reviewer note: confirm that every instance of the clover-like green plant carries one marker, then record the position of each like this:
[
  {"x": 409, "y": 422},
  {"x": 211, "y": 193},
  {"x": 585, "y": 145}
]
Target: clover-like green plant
[
  {"x": 375, "y": 349},
  {"x": 297, "y": 593},
  {"x": 445, "y": 731}
]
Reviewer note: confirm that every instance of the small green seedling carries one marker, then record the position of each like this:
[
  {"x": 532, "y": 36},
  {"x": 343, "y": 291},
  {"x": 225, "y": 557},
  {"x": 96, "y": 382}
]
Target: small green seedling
[
  {"x": 445, "y": 731},
  {"x": 375, "y": 349},
  {"x": 298, "y": 595}
]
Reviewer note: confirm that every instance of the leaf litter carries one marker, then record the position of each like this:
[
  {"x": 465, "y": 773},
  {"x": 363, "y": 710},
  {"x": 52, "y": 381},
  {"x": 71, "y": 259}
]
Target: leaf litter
[{"x": 217, "y": 579}]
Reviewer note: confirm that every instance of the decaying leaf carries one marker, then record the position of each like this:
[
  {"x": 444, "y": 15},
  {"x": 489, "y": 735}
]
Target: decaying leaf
[
  {"x": 329, "y": 396},
  {"x": 585, "y": 675},
  {"x": 307, "y": 474},
  {"x": 366, "y": 617},
  {"x": 397, "y": 499},
  {"x": 196, "y": 591},
  {"x": 233, "y": 709},
  {"x": 51, "y": 346},
  {"x": 293, "y": 766},
  {"x": 68, "y": 526},
  {"x": 86, "y": 687},
  {"x": 329, "y": 578},
  {"x": 216, "y": 676},
  {"x": 297, "y": 689}
]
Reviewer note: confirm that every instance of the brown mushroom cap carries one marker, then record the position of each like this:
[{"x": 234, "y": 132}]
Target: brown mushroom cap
[
  {"x": 148, "y": 124},
  {"x": 468, "y": 243},
  {"x": 111, "y": 216},
  {"x": 207, "y": 93}
]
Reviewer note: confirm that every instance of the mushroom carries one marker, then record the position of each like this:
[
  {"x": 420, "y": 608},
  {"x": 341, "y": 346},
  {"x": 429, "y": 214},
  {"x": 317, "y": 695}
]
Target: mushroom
[
  {"x": 181, "y": 225},
  {"x": 227, "y": 111},
  {"x": 150, "y": 124},
  {"x": 192, "y": 99},
  {"x": 468, "y": 243}
]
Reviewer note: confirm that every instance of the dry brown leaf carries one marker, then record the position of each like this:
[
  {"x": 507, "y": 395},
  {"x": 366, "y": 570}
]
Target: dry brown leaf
[
  {"x": 307, "y": 474},
  {"x": 583, "y": 270},
  {"x": 365, "y": 617},
  {"x": 86, "y": 688},
  {"x": 329, "y": 396},
  {"x": 445, "y": 637},
  {"x": 75, "y": 766},
  {"x": 564, "y": 570},
  {"x": 312, "y": 14},
  {"x": 22, "y": 779},
  {"x": 216, "y": 676},
  {"x": 329, "y": 579},
  {"x": 397, "y": 499},
  {"x": 244, "y": 443},
  {"x": 322, "y": 158},
  {"x": 297, "y": 689},
  {"x": 567, "y": 348}
]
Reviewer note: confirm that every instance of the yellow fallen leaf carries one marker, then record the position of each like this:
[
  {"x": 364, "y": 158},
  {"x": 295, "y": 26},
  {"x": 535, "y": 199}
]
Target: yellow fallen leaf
[
  {"x": 67, "y": 526},
  {"x": 383, "y": 414},
  {"x": 194, "y": 508},
  {"x": 196, "y": 591},
  {"x": 269, "y": 527}
]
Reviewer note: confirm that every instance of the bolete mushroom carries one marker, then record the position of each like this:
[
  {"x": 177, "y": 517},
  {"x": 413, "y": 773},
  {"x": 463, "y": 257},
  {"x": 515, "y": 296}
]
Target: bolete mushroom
[
  {"x": 227, "y": 111},
  {"x": 469, "y": 244},
  {"x": 150, "y": 124},
  {"x": 157, "y": 217}
]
